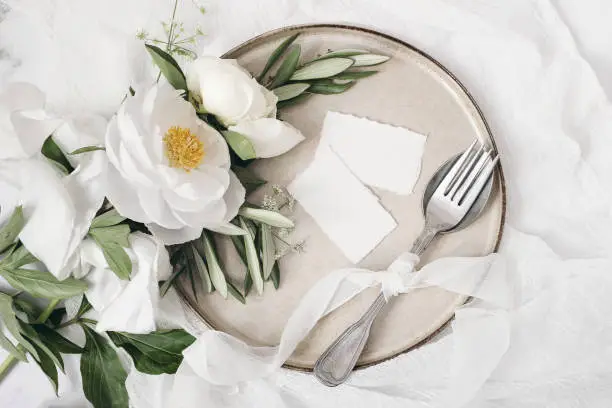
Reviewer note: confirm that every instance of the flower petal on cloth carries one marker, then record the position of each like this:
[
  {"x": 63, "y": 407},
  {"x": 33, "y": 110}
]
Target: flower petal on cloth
[
  {"x": 129, "y": 306},
  {"x": 270, "y": 137}
]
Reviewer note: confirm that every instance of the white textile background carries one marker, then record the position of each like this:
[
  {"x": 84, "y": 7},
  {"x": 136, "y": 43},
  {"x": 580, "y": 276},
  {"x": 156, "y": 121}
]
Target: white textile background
[{"x": 541, "y": 70}]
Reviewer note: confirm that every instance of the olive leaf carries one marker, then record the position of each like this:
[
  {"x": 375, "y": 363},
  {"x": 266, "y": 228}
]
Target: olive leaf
[
  {"x": 268, "y": 250},
  {"x": 287, "y": 67},
  {"x": 240, "y": 144},
  {"x": 168, "y": 67},
  {"x": 275, "y": 275},
  {"x": 268, "y": 217},
  {"x": 102, "y": 373},
  {"x": 12, "y": 228},
  {"x": 107, "y": 219},
  {"x": 159, "y": 352},
  {"x": 197, "y": 265},
  {"x": 252, "y": 259},
  {"x": 43, "y": 284},
  {"x": 349, "y": 52},
  {"x": 87, "y": 149},
  {"x": 235, "y": 292},
  {"x": 168, "y": 283},
  {"x": 240, "y": 249},
  {"x": 52, "y": 152},
  {"x": 367, "y": 60},
  {"x": 276, "y": 54},
  {"x": 354, "y": 75},
  {"x": 329, "y": 87},
  {"x": 293, "y": 101},
  {"x": 290, "y": 91},
  {"x": 229, "y": 229},
  {"x": 217, "y": 276},
  {"x": 248, "y": 179},
  {"x": 322, "y": 69}
]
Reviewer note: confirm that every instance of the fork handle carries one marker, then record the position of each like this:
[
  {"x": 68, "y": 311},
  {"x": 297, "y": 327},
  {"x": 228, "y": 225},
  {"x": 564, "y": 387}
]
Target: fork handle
[{"x": 336, "y": 363}]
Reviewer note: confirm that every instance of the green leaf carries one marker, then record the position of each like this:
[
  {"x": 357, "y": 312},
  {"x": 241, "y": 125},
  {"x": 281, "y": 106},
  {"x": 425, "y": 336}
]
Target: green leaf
[
  {"x": 12, "y": 228},
  {"x": 47, "y": 365},
  {"x": 52, "y": 152},
  {"x": 290, "y": 91},
  {"x": 229, "y": 229},
  {"x": 118, "y": 260},
  {"x": 43, "y": 284},
  {"x": 240, "y": 144},
  {"x": 87, "y": 149},
  {"x": 32, "y": 336},
  {"x": 239, "y": 245},
  {"x": 18, "y": 258},
  {"x": 84, "y": 307},
  {"x": 217, "y": 276},
  {"x": 57, "y": 316},
  {"x": 288, "y": 67},
  {"x": 197, "y": 264},
  {"x": 354, "y": 75},
  {"x": 107, "y": 219},
  {"x": 293, "y": 101},
  {"x": 329, "y": 87},
  {"x": 103, "y": 375},
  {"x": 155, "y": 353},
  {"x": 56, "y": 341},
  {"x": 268, "y": 250},
  {"x": 322, "y": 69},
  {"x": 9, "y": 320},
  {"x": 112, "y": 234},
  {"x": 349, "y": 52},
  {"x": 276, "y": 54},
  {"x": 10, "y": 348},
  {"x": 275, "y": 276},
  {"x": 252, "y": 259},
  {"x": 235, "y": 292},
  {"x": 367, "y": 60},
  {"x": 28, "y": 309},
  {"x": 248, "y": 283},
  {"x": 168, "y": 283},
  {"x": 248, "y": 179},
  {"x": 168, "y": 67},
  {"x": 268, "y": 217}
]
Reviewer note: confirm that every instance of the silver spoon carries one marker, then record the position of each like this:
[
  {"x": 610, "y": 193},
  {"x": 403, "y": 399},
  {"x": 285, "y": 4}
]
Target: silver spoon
[{"x": 454, "y": 197}]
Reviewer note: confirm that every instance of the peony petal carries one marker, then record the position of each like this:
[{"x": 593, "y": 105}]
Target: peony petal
[
  {"x": 212, "y": 214},
  {"x": 123, "y": 196},
  {"x": 21, "y": 96},
  {"x": 176, "y": 236},
  {"x": 200, "y": 188},
  {"x": 156, "y": 208},
  {"x": 216, "y": 151},
  {"x": 32, "y": 128},
  {"x": 270, "y": 137},
  {"x": 234, "y": 197}
]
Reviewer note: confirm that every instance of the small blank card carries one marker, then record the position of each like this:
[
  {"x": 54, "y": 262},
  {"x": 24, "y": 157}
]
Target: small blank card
[
  {"x": 347, "y": 211},
  {"x": 380, "y": 155}
]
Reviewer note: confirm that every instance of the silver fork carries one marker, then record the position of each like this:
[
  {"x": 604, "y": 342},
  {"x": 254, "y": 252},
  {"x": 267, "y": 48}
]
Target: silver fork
[{"x": 450, "y": 202}]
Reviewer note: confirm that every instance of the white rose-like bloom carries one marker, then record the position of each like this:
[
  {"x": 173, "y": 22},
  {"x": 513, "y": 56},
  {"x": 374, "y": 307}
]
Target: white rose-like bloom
[
  {"x": 169, "y": 169},
  {"x": 129, "y": 306},
  {"x": 230, "y": 93}
]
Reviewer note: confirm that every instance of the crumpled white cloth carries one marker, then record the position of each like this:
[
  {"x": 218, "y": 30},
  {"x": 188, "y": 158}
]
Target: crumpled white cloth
[{"x": 541, "y": 70}]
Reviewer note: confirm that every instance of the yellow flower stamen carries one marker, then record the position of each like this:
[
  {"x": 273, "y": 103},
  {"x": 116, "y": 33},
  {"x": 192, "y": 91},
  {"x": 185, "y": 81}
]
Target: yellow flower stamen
[{"x": 183, "y": 149}]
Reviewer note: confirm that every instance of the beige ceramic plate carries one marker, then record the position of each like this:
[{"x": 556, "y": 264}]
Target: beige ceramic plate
[{"x": 411, "y": 90}]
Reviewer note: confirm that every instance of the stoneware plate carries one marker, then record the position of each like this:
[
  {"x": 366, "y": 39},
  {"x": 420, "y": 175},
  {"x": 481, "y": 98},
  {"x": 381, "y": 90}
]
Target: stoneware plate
[{"x": 411, "y": 90}]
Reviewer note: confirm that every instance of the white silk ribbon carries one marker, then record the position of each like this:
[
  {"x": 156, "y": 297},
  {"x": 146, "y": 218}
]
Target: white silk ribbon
[{"x": 224, "y": 360}]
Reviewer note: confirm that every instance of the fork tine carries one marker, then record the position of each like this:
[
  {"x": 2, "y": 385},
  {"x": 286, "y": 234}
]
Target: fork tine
[
  {"x": 471, "y": 175},
  {"x": 473, "y": 190},
  {"x": 451, "y": 177},
  {"x": 467, "y": 170}
]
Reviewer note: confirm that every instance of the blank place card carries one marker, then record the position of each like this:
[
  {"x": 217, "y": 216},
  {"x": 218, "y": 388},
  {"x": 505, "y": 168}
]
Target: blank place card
[
  {"x": 347, "y": 211},
  {"x": 380, "y": 155}
]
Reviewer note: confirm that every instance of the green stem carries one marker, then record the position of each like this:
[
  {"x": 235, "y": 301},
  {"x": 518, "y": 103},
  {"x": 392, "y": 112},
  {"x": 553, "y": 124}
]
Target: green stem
[
  {"x": 8, "y": 364},
  {"x": 171, "y": 27},
  {"x": 47, "y": 312}
]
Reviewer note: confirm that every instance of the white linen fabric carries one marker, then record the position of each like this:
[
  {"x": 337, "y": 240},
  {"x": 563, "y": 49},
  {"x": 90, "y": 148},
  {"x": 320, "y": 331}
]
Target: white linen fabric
[{"x": 541, "y": 70}]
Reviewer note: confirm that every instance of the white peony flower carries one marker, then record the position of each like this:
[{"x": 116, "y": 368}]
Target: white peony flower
[
  {"x": 55, "y": 205},
  {"x": 169, "y": 169},
  {"x": 24, "y": 125},
  {"x": 129, "y": 306},
  {"x": 229, "y": 92}
]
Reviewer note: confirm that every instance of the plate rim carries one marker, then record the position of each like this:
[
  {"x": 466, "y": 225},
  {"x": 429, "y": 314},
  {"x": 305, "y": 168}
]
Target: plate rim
[{"x": 185, "y": 299}]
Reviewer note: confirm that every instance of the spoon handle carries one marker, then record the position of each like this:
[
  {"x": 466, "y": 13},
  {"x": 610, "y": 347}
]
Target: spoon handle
[{"x": 336, "y": 363}]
